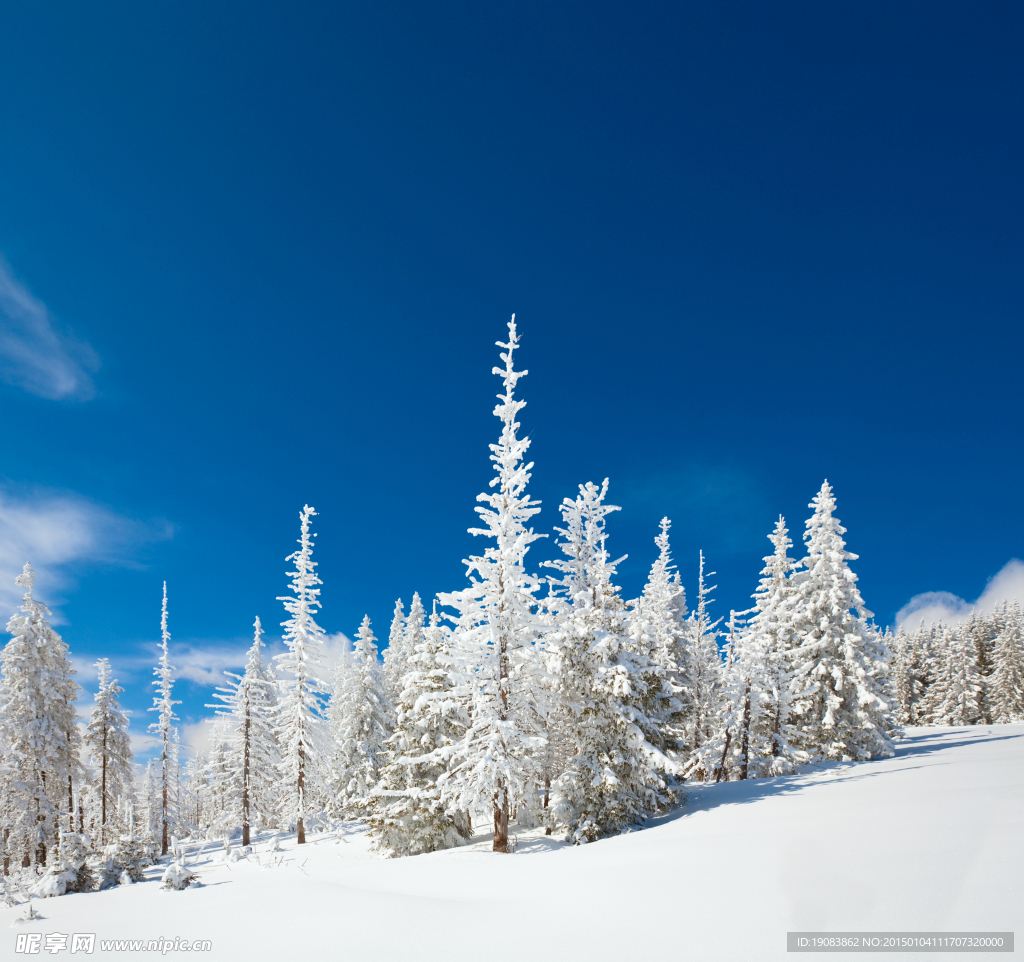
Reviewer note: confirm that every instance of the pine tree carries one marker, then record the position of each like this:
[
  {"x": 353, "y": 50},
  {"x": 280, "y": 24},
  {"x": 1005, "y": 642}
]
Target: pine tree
[
  {"x": 38, "y": 730},
  {"x": 496, "y": 632},
  {"x": 661, "y": 612},
  {"x": 840, "y": 663},
  {"x": 1007, "y": 688},
  {"x": 705, "y": 674},
  {"x": 408, "y": 816},
  {"x": 395, "y": 654},
  {"x": 615, "y": 776},
  {"x": 253, "y": 756},
  {"x": 362, "y": 719},
  {"x": 109, "y": 746},
  {"x": 301, "y": 709},
  {"x": 163, "y": 728},
  {"x": 954, "y": 697}
]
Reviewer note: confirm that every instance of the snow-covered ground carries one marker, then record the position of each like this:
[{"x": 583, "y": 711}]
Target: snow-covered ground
[{"x": 930, "y": 839}]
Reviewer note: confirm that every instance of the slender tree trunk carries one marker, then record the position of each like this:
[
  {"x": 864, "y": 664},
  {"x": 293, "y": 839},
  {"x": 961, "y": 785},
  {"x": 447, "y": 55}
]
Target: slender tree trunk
[
  {"x": 501, "y": 795},
  {"x": 163, "y": 779},
  {"x": 7, "y": 852},
  {"x": 245, "y": 781},
  {"x": 725, "y": 753},
  {"x": 745, "y": 746},
  {"x": 103, "y": 791},
  {"x": 81, "y": 815},
  {"x": 300, "y": 829},
  {"x": 500, "y": 820},
  {"x": 547, "y": 794}
]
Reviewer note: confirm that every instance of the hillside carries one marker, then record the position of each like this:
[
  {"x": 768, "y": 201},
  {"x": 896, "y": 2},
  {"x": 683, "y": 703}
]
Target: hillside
[{"x": 930, "y": 839}]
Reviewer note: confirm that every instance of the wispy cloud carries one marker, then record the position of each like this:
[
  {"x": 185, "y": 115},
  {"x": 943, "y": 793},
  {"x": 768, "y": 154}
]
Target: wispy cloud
[
  {"x": 35, "y": 353},
  {"x": 58, "y": 531},
  {"x": 943, "y": 606}
]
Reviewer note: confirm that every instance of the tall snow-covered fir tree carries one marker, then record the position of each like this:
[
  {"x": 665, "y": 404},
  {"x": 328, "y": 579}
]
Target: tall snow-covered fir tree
[
  {"x": 38, "y": 731},
  {"x": 955, "y": 695},
  {"x": 408, "y": 816},
  {"x": 163, "y": 728},
  {"x": 362, "y": 720},
  {"x": 109, "y": 747},
  {"x": 497, "y": 630},
  {"x": 606, "y": 683},
  {"x": 250, "y": 768},
  {"x": 839, "y": 661},
  {"x": 301, "y": 708}
]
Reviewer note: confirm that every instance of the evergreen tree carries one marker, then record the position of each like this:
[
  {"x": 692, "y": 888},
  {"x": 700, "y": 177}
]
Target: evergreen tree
[
  {"x": 162, "y": 727},
  {"x": 363, "y": 720},
  {"x": 253, "y": 757},
  {"x": 408, "y": 816},
  {"x": 705, "y": 674},
  {"x": 615, "y": 776},
  {"x": 496, "y": 633},
  {"x": 1007, "y": 688},
  {"x": 395, "y": 654},
  {"x": 840, "y": 663},
  {"x": 301, "y": 686},
  {"x": 954, "y": 697},
  {"x": 109, "y": 747},
  {"x": 38, "y": 730}
]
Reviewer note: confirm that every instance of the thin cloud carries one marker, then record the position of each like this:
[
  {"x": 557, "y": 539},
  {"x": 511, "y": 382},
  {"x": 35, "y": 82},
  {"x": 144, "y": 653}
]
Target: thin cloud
[
  {"x": 58, "y": 532},
  {"x": 934, "y": 607},
  {"x": 34, "y": 353}
]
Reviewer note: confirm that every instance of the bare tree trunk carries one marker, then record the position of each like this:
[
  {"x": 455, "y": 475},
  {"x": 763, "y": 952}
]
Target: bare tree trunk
[
  {"x": 103, "y": 792},
  {"x": 300, "y": 829},
  {"x": 500, "y": 821},
  {"x": 7, "y": 852},
  {"x": 547, "y": 794},
  {"x": 501, "y": 795},
  {"x": 725, "y": 752},
  {"x": 163, "y": 779},
  {"x": 745, "y": 746},
  {"x": 245, "y": 781}
]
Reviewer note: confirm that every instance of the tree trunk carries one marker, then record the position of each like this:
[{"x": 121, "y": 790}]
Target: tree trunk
[
  {"x": 547, "y": 794},
  {"x": 500, "y": 821},
  {"x": 245, "y": 781},
  {"x": 103, "y": 792},
  {"x": 300, "y": 829},
  {"x": 163, "y": 779},
  {"x": 745, "y": 746},
  {"x": 725, "y": 752}
]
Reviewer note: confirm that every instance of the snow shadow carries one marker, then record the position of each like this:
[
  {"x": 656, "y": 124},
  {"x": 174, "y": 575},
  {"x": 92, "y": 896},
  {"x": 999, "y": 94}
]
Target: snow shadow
[{"x": 955, "y": 738}]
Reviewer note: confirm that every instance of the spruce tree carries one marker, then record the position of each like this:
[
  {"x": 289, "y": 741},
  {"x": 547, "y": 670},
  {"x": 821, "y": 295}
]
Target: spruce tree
[
  {"x": 840, "y": 663},
  {"x": 705, "y": 674},
  {"x": 362, "y": 720},
  {"x": 163, "y": 729},
  {"x": 408, "y": 816},
  {"x": 955, "y": 696},
  {"x": 38, "y": 730},
  {"x": 253, "y": 757},
  {"x": 1007, "y": 688},
  {"x": 301, "y": 709},
  {"x": 395, "y": 654},
  {"x": 497, "y": 630},
  {"x": 109, "y": 747}
]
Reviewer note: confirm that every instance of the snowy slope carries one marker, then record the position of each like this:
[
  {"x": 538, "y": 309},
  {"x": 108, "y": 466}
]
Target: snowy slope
[{"x": 930, "y": 839}]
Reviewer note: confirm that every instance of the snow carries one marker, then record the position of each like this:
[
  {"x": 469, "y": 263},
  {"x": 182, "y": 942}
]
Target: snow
[{"x": 929, "y": 839}]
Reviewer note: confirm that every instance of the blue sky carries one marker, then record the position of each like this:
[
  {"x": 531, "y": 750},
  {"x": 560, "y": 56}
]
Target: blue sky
[{"x": 258, "y": 255}]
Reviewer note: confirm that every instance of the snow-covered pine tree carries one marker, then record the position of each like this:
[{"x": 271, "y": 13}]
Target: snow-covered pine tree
[
  {"x": 254, "y": 756},
  {"x": 771, "y": 634},
  {"x": 661, "y": 611},
  {"x": 362, "y": 719},
  {"x": 163, "y": 729},
  {"x": 840, "y": 663},
  {"x": 408, "y": 817},
  {"x": 1007, "y": 680},
  {"x": 394, "y": 655},
  {"x": 954, "y": 697},
  {"x": 109, "y": 748},
  {"x": 705, "y": 672},
  {"x": 38, "y": 730},
  {"x": 301, "y": 709},
  {"x": 496, "y": 632},
  {"x": 615, "y": 776}
]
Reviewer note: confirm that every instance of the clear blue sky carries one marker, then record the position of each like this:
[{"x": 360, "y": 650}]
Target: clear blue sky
[{"x": 749, "y": 246}]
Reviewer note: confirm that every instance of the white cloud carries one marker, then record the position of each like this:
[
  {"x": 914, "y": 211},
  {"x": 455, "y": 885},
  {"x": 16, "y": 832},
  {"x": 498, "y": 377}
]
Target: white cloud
[
  {"x": 34, "y": 354},
  {"x": 56, "y": 531},
  {"x": 950, "y": 609}
]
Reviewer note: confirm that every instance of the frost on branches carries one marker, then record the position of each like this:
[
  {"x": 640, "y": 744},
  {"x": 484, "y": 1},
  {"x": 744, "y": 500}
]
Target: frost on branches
[
  {"x": 301, "y": 686},
  {"x": 163, "y": 729},
  {"x": 496, "y": 633},
  {"x": 38, "y": 731},
  {"x": 109, "y": 748},
  {"x": 248, "y": 753},
  {"x": 840, "y": 663},
  {"x": 605, "y": 686},
  {"x": 362, "y": 720},
  {"x": 408, "y": 815}
]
